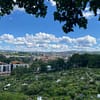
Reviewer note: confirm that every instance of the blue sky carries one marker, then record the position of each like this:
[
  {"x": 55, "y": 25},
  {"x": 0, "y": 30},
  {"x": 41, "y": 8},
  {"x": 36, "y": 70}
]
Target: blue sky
[{"x": 23, "y": 32}]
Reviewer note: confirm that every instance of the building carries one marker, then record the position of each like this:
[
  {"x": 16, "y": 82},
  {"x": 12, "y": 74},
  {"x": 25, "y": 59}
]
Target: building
[
  {"x": 15, "y": 64},
  {"x": 5, "y": 69}
]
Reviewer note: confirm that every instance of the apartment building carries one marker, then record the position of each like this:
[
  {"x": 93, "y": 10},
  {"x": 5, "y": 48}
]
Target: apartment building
[{"x": 5, "y": 69}]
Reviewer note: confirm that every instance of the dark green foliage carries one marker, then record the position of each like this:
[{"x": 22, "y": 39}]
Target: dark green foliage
[
  {"x": 35, "y": 7},
  {"x": 39, "y": 66},
  {"x": 4, "y": 59},
  {"x": 58, "y": 64},
  {"x": 71, "y": 86},
  {"x": 12, "y": 96},
  {"x": 20, "y": 71},
  {"x": 8, "y": 60},
  {"x": 70, "y": 12},
  {"x": 76, "y": 61},
  {"x": 84, "y": 60}
]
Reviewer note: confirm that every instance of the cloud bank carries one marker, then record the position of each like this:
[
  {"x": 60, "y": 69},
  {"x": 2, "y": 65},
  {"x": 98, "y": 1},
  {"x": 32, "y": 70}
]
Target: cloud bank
[{"x": 46, "y": 42}]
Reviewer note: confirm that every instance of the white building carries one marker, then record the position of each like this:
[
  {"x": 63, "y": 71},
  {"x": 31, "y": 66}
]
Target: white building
[
  {"x": 7, "y": 68},
  {"x": 39, "y": 98},
  {"x": 49, "y": 67}
]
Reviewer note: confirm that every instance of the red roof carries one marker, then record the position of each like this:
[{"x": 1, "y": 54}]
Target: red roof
[{"x": 16, "y": 62}]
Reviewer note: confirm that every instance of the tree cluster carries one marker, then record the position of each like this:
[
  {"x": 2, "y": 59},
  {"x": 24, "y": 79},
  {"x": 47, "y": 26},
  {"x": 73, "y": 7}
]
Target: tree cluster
[
  {"x": 73, "y": 84},
  {"x": 84, "y": 60},
  {"x": 75, "y": 61},
  {"x": 8, "y": 60},
  {"x": 51, "y": 65}
]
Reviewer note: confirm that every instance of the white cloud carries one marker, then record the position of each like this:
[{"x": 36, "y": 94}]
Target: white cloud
[
  {"x": 86, "y": 41},
  {"x": 14, "y": 0},
  {"x": 7, "y": 38},
  {"x": 66, "y": 39},
  {"x": 52, "y": 2},
  {"x": 47, "y": 42},
  {"x": 16, "y": 8},
  {"x": 89, "y": 14}
]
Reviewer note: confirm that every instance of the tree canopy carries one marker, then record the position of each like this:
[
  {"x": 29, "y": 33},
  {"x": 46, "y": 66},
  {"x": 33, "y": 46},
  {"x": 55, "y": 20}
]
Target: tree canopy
[{"x": 70, "y": 12}]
